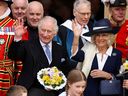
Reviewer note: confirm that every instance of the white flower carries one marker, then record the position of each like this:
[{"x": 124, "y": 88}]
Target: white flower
[
  {"x": 108, "y": 1},
  {"x": 121, "y": 69},
  {"x": 124, "y": 67},
  {"x": 112, "y": 1},
  {"x": 105, "y": 1}
]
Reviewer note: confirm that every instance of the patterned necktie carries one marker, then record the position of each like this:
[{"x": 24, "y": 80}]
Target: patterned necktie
[{"x": 47, "y": 50}]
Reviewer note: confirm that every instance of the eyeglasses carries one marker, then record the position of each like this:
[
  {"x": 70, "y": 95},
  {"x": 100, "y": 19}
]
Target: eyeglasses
[{"x": 83, "y": 14}]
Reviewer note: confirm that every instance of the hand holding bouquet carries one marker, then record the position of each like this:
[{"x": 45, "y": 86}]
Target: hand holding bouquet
[{"x": 51, "y": 78}]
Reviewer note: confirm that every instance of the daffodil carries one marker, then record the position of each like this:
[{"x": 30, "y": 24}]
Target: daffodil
[{"x": 125, "y": 65}]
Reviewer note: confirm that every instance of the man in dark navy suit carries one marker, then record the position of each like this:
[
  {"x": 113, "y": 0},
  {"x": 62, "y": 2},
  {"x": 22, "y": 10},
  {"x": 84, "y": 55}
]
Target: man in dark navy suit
[{"x": 34, "y": 57}]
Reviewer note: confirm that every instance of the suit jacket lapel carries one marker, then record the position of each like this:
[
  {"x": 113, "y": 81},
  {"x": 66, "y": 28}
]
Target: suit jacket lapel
[
  {"x": 107, "y": 63},
  {"x": 110, "y": 60},
  {"x": 39, "y": 55}
]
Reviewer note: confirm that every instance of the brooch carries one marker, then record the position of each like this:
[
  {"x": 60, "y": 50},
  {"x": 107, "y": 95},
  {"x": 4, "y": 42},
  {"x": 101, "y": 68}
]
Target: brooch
[{"x": 114, "y": 54}]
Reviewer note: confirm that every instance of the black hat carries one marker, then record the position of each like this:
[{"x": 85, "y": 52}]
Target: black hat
[
  {"x": 101, "y": 26},
  {"x": 119, "y": 3},
  {"x": 9, "y": 2}
]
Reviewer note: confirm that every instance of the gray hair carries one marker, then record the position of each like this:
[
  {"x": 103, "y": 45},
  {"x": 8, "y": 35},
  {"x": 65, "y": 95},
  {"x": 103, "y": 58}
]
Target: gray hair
[
  {"x": 51, "y": 19},
  {"x": 26, "y": 1},
  {"x": 77, "y": 3},
  {"x": 111, "y": 39}
]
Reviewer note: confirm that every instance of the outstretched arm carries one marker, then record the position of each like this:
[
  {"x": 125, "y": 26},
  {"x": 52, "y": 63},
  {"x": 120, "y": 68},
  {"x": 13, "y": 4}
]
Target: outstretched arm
[
  {"x": 77, "y": 32},
  {"x": 20, "y": 30},
  {"x": 77, "y": 55}
]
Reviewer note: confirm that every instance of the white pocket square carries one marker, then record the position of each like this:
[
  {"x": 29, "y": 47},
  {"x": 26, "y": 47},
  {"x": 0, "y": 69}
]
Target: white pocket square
[{"x": 62, "y": 59}]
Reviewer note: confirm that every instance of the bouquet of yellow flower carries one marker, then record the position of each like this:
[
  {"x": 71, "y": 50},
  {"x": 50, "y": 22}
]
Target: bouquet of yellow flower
[
  {"x": 125, "y": 65},
  {"x": 51, "y": 78}
]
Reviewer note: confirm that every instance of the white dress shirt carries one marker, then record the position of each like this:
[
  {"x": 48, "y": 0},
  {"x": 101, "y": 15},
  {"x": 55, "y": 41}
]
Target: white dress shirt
[{"x": 103, "y": 57}]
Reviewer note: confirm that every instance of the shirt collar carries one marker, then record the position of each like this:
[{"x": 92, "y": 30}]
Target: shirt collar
[
  {"x": 43, "y": 44},
  {"x": 108, "y": 52}
]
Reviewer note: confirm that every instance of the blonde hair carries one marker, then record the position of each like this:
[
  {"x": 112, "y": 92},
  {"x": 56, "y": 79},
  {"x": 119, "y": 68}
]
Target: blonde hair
[{"x": 111, "y": 39}]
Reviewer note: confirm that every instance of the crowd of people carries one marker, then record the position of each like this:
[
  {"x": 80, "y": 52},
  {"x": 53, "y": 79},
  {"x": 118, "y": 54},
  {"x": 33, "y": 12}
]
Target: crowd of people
[{"x": 87, "y": 51}]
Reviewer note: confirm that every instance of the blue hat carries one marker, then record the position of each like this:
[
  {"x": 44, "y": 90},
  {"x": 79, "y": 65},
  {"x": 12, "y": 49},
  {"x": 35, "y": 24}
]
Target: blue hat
[
  {"x": 101, "y": 26},
  {"x": 119, "y": 3}
]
